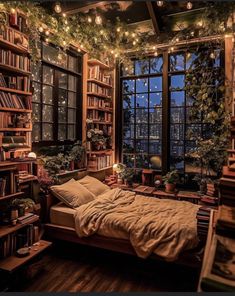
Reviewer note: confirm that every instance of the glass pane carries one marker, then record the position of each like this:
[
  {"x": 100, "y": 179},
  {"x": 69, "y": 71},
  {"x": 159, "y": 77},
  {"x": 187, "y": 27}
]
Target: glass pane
[
  {"x": 176, "y": 150},
  {"x": 71, "y": 99},
  {"x": 62, "y": 114},
  {"x": 141, "y": 67},
  {"x": 128, "y": 146},
  {"x": 36, "y": 132},
  {"x": 177, "y": 62},
  {"x": 141, "y": 115},
  {"x": 156, "y": 65},
  {"x": 177, "y": 98},
  {"x": 73, "y": 63},
  {"x": 36, "y": 92},
  {"x": 47, "y": 96},
  {"x": 128, "y": 131},
  {"x": 128, "y": 86},
  {"x": 155, "y": 131},
  {"x": 142, "y": 101},
  {"x": 62, "y": 98},
  {"x": 141, "y": 131},
  {"x": 177, "y": 115},
  {"x": 71, "y": 115},
  {"x": 155, "y": 147},
  {"x": 177, "y": 82},
  {"x": 47, "y": 132},
  {"x": 128, "y": 160},
  {"x": 155, "y": 115},
  {"x": 208, "y": 131},
  {"x": 71, "y": 132},
  {"x": 141, "y": 85},
  {"x": 128, "y": 116},
  {"x": 177, "y": 132},
  {"x": 72, "y": 83},
  {"x": 48, "y": 75},
  {"x": 126, "y": 71},
  {"x": 141, "y": 146},
  {"x": 36, "y": 71},
  {"x": 47, "y": 113},
  {"x": 36, "y": 112},
  {"x": 190, "y": 146},
  {"x": 177, "y": 163},
  {"x": 155, "y": 84},
  {"x": 63, "y": 80},
  {"x": 54, "y": 56},
  {"x": 128, "y": 102},
  {"x": 142, "y": 161},
  {"x": 61, "y": 132},
  {"x": 155, "y": 99},
  {"x": 190, "y": 60}
]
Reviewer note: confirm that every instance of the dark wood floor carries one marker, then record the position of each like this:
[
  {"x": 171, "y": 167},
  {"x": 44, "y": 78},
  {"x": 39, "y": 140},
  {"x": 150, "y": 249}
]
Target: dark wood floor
[{"x": 73, "y": 268}]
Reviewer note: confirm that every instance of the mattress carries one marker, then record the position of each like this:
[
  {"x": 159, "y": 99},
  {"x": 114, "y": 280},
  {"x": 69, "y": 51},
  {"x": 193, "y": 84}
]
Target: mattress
[{"x": 62, "y": 215}]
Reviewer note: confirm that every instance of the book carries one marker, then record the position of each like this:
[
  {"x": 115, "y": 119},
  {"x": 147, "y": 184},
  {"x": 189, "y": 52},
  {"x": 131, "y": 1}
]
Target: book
[{"x": 226, "y": 216}]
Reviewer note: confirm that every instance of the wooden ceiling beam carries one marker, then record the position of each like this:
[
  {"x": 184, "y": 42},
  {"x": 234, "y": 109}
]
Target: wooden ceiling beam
[{"x": 153, "y": 16}]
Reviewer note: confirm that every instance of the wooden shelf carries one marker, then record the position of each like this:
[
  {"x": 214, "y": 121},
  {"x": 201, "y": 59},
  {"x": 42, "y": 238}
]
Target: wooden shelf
[
  {"x": 98, "y": 95},
  {"x": 102, "y": 122},
  {"x": 22, "y": 181},
  {"x": 11, "y": 196},
  {"x": 15, "y": 110},
  {"x": 107, "y": 151},
  {"x": 11, "y": 163},
  {"x": 5, "y": 230},
  {"x": 13, "y": 262},
  {"x": 14, "y": 47},
  {"x": 95, "y": 62},
  {"x": 16, "y": 91},
  {"x": 14, "y": 70},
  {"x": 103, "y": 169},
  {"x": 15, "y": 129},
  {"x": 101, "y": 83},
  {"x": 100, "y": 109}
]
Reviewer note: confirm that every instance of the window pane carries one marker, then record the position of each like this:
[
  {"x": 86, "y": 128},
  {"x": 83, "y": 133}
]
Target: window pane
[
  {"x": 63, "y": 80},
  {"x": 71, "y": 99},
  {"x": 128, "y": 116},
  {"x": 62, "y": 114},
  {"x": 71, "y": 132},
  {"x": 61, "y": 132},
  {"x": 128, "y": 86},
  {"x": 47, "y": 132},
  {"x": 54, "y": 56},
  {"x": 36, "y": 112},
  {"x": 128, "y": 146},
  {"x": 128, "y": 131},
  {"x": 71, "y": 115},
  {"x": 155, "y": 147},
  {"x": 155, "y": 84},
  {"x": 177, "y": 132},
  {"x": 72, "y": 63},
  {"x": 36, "y": 132},
  {"x": 141, "y": 115},
  {"x": 142, "y": 161},
  {"x": 47, "y": 113},
  {"x": 190, "y": 60},
  {"x": 36, "y": 92},
  {"x": 155, "y": 115},
  {"x": 128, "y": 160},
  {"x": 155, "y": 99},
  {"x": 62, "y": 98},
  {"x": 156, "y": 65},
  {"x": 72, "y": 83},
  {"x": 142, "y": 146},
  {"x": 193, "y": 131},
  {"x": 141, "y": 85},
  {"x": 36, "y": 71},
  {"x": 128, "y": 101},
  {"x": 176, "y": 150},
  {"x": 48, "y": 75},
  {"x": 177, "y": 82},
  {"x": 177, "y": 98},
  {"x": 141, "y": 131},
  {"x": 141, "y": 67},
  {"x": 177, "y": 62},
  {"x": 47, "y": 96},
  {"x": 126, "y": 71},
  {"x": 177, "y": 115},
  {"x": 155, "y": 131},
  {"x": 142, "y": 101},
  {"x": 177, "y": 163}
]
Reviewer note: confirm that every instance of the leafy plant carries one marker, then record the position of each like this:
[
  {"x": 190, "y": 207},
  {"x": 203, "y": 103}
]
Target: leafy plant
[
  {"x": 171, "y": 177},
  {"x": 127, "y": 174},
  {"x": 26, "y": 202},
  {"x": 77, "y": 153}
]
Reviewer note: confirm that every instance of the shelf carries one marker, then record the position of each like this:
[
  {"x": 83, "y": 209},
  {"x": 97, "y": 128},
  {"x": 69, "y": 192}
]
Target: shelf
[
  {"x": 95, "y": 62},
  {"x": 100, "y": 109},
  {"x": 16, "y": 91},
  {"x": 22, "y": 181},
  {"x": 5, "y": 230},
  {"x": 14, "y": 47},
  {"x": 15, "y": 129},
  {"x": 101, "y": 122},
  {"x": 14, "y": 69},
  {"x": 103, "y": 169},
  {"x": 98, "y": 95},
  {"x": 10, "y": 196},
  {"x": 16, "y": 162},
  {"x": 13, "y": 262},
  {"x": 107, "y": 151},
  {"x": 15, "y": 110},
  {"x": 101, "y": 83}
]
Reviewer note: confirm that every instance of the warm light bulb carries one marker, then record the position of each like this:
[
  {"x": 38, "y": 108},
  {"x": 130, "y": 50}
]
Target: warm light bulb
[
  {"x": 112, "y": 51},
  {"x": 160, "y": 3},
  {"x": 188, "y": 55},
  {"x": 154, "y": 47},
  {"x": 13, "y": 10},
  {"x": 66, "y": 22},
  {"x": 98, "y": 20},
  {"x": 118, "y": 29},
  {"x": 79, "y": 50},
  {"x": 212, "y": 55},
  {"x": 89, "y": 19},
  {"x": 116, "y": 55},
  {"x": 126, "y": 33},
  {"x": 133, "y": 35},
  {"x": 81, "y": 46},
  {"x": 60, "y": 57},
  {"x": 47, "y": 40},
  {"x": 47, "y": 33},
  {"x": 64, "y": 43},
  {"x": 40, "y": 29},
  {"x": 192, "y": 33},
  {"x": 101, "y": 32},
  {"x": 177, "y": 39},
  {"x": 134, "y": 42},
  {"x": 172, "y": 48},
  {"x": 137, "y": 39},
  {"x": 155, "y": 54},
  {"x": 189, "y": 5},
  {"x": 200, "y": 24},
  {"x": 57, "y": 7},
  {"x": 64, "y": 14}
]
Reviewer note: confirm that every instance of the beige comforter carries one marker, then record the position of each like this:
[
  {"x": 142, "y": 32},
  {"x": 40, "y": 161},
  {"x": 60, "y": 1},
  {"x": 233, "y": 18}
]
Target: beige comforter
[{"x": 165, "y": 227}]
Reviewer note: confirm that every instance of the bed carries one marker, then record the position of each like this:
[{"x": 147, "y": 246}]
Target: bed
[{"x": 77, "y": 225}]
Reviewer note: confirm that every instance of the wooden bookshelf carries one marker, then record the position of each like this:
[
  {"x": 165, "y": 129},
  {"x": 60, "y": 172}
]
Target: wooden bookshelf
[
  {"x": 14, "y": 69},
  {"x": 15, "y": 110},
  {"x": 15, "y": 129},
  {"x": 101, "y": 83},
  {"x": 98, "y": 95},
  {"x": 16, "y": 91},
  {"x": 14, "y": 47},
  {"x": 95, "y": 62},
  {"x": 9, "y": 196},
  {"x": 107, "y": 151},
  {"x": 99, "y": 170},
  {"x": 100, "y": 109}
]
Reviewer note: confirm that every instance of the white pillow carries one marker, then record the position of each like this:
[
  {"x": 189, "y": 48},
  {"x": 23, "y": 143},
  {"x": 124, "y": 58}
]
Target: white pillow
[
  {"x": 93, "y": 185},
  {"x": 72, "y": 193}
]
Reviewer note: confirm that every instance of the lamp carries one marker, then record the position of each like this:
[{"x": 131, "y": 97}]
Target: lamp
[
  {"x": 32, "y": 155},
  {"x": 118, "y": 168},
  {"x": 57, "y": 7}
]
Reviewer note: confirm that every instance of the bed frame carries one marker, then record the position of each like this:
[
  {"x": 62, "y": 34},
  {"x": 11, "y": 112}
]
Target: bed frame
[{"x": 192, "y": 258}]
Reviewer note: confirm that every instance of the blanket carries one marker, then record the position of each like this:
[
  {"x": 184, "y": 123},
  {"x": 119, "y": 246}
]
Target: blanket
[{"x": 161, "y": 226}]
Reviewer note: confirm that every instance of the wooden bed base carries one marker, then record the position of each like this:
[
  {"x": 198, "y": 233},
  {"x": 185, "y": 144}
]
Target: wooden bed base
[{"x": 191, "y": 258}]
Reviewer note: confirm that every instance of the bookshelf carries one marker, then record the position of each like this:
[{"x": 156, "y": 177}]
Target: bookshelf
[{"x": 99, "y": 105}]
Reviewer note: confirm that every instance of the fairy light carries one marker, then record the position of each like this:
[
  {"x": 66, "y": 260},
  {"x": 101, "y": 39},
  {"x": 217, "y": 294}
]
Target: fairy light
[
  {"x": 66, "y": 22},
  {"x": 40, "y": 29},
  {"x": 155, "y": 53},
  {"x": 89, "y": 19},
  {"x": 160, "y": 3},
  {"x": 57, "y": 7},
  {"x": 47, "y": 33},
  {"x": 200, "y": 24},
  {"x": 112, "y": 52},
  {"x": 212, "y": 55},
  {"x": 133, "y": 35},
  {"x": 64, "y": 43},
  {"x": 192, "y": 33},
  {"x": 154, "y": 47},
  {"x": 172, "y": 48},
  {"x": 13, "y": 10},
  {"x": 126, "y": 33},
  {"x": 134, "y": 42},
  {"x": 188, "y": 55},
  {"x": 82, "y": 46},
  {"x": 47, "y": 40},
  {"x": 67, "y": 28},
  {"x": 177, "y": 39},
  {"x": 64, "y": 14},
  {"x": 98, "y": 20},
  {"x": 118, "y": 29},
  {"x": 116, "y": 55},
  {"x": 102, "y": 32},
  {"x": 189, "y": 5}
]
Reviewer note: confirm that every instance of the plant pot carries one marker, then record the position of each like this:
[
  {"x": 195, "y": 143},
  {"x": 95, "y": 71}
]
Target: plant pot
[{"x": 170, "y": 187}]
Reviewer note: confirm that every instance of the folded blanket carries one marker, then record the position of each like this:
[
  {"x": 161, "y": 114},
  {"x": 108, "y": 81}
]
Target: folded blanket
[{"x": 165, "y": 227}]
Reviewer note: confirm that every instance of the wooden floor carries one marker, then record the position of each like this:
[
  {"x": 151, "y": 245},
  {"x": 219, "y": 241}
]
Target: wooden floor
[{"x": 75, "y": 268}]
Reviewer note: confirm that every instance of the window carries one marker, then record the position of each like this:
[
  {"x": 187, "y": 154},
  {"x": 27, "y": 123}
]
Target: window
[
  {"x": 57, "y": 96},
  {"x": 143, "y": 108}
]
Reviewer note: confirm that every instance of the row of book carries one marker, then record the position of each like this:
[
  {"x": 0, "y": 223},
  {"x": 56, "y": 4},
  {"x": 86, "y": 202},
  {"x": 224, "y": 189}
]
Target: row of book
[
  {"x": 203, "y": 219},
  {"x": 15, "y": 82},
  {"x": 6, "y": 120},
  {"x": 94, "y": 88},
  {"x": 99, "y": 162},
  {"x": 14, "y": 37},
  {"x": 96, "y": 73},
  {"x": 16, "y": 20},
  {"x": 12, "y": 242},
  {"x": 2, "y": 186},
  {"x": 99, "y": 115},
  {"x": 14, "y": 60},
  {"x": 9, "y": 100},
  {"x": 98, "y": 102}
]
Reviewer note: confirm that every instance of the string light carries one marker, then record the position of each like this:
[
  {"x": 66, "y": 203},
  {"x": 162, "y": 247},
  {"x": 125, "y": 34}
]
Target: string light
[
  {"x": 160, "y": 3},
  {"x": 64, "y": 43},
  {"x": 60, "y": 57},
  {"x": 64, "y": 14},
  {"x": 177, "y": 39},
  {"x": 200, "y": 23},
  {"x": 13, "y": 10},
  {"x": 188, "y": 55},
  {"x": 133, "y": 35},
  {"x": 172, "y": 48},
  {"x": 81, "y": 46},
  {"x": 66, "y": 22},
  {"x": 47, "y": 33},
  {"x": 118, "y": 29},
  {"x": 40, "y": 29},
  {"x": 112, "y": 52},
  {"x": 89, "y": 19},
  {"x": 47, "y": 40},
  {"x": 189, "y": 5},
  {"x": 192, "y": 33},
  {"x": 155, "y": 53},
  {"x": 212, "y": 55},
  {"x": 134, "y": 42},
  {"x": 154, "y": 47},
  {"x": 98, "y": 20},
  {"x": 101, "y": 32},
  {"x": 57, "y": 7},
  {"x": 126, "y": 33},
  {"x": 116, "y": 55}
]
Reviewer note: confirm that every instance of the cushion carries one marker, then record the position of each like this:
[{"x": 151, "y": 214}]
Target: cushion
[
  {"x": 93, "y": 185},
  {"x": 72, "y": 193}
]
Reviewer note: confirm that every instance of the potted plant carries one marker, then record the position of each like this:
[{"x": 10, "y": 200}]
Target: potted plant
[
  {"x": 97, "y": 139},
  {"x": 23, "y": 205},
  {"x": 77, "y": 155},
  {"x": 201, "y": 181},
  {"x": 170, "y": 180},
  {"x": 127, "y": 175}
]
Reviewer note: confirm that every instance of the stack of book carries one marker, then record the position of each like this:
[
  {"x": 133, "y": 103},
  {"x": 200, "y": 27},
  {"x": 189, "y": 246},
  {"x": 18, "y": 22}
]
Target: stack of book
[
  {"x": 227, "y": 191},
  {"x": 7, "y": 57},
  {"x": 94, "y": 88},
  {"x": 96, "y": 73},
  {"x": 25, "y": 176},
  {"x": 99, "y": 162},
  {"x": 9, "y": 100},
  {"x": 2, "y": 186},
  {"x": 15, "y": 82},
  {"x": 203, "y": 219}
]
